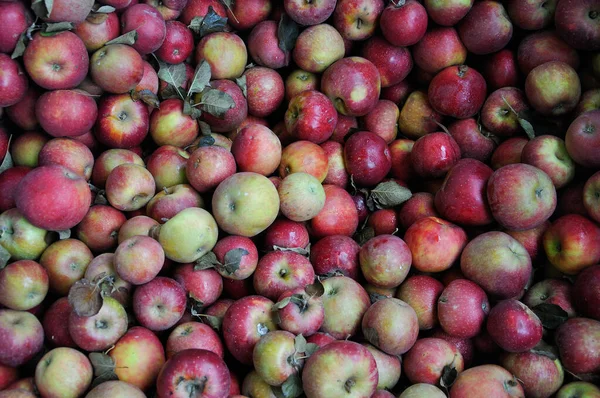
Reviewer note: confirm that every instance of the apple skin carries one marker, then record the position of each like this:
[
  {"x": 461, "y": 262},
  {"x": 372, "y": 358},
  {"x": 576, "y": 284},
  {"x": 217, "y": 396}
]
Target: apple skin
[
  {"x": 199, "y": 8},
  {"x": 578, "y": 388},
  {"x": 449, "y": 87},
  {"x": 136, "y": 251},
  {"x": 552, "y": 291},
  {"x": 426, "y": 360},
  {"x": 353, "y": 85},
  {"x": 304, "y": 156},
  {"x": 377, "y": 256},
  {"x": 129, "y": 187},
  {"x": 501, "y": 69},
  {"x": 275, "y": 358},
  {"x": 355, "y": 371},
  {"x": 571, "y": 243},
  {"x": 245, "y": 15},
  {"x": 466, "y": 180},
  {"x": 279, "y": 271},
  {"x": 49, "y": 110},
  {"x": 96, "y": 30},
  {"x": 256, "y": 149},
  {"x": 550, "y": 155},
  {"x": 312, "y": 13},
  {"x": 521, "y": 196},
  {"x": 300, "y": 80},
  {"x": 357, "y": 19},
  {"x": 20, "y": 238},
  {"x": 585, "y": 297},
  {"x": 103, "y": 264},
  {"x": 335, "y": 253},
  {"x": 168, "y": 166},
  {"x": 169, "y": 126},
  {"x": 63, "y": 372},
  {"x": 285, "y": 234},
  {"x": 23, "y": 285},
  {"x": 531, "y": 15},
  {"x": 23, "y": 337},
  {"x": 583, "y": 138},
  {"x": 417, "y": 117},
  {"x": 393, "y": 63},
  {"x": 485, "y": 381},
  {"x": 383, "y": 221},
  {"x": 404, "y": 24},
  {"x": 304, "y": 314},
  {"x": 122, "y": 122},
  {"x": 447, "y": 12},
  {"x": 170, "y": 201},
  {"x": 336, "y": 168},
  {"x": 301, "y": 197},
  {"x": 434, "y": 154},
  {"x": 69, "y": 153},
  {"x": 345, "y": 302},
  {"x": 486, "y": 28},
  {"x": 545, "y": 46},
  {"x": 110, "y": 159},
  {"x": 438, "y": 49},
  {"x": 266, "y": 91},
  {"x": 115, "y": 389},
  {"x": 422, "y": 390},
  {"x": 56, "y": 323},
  {"x": 419, "y": 206},
  {"x": 139, "y": 357},
  {"x": 116, "y": 68},
  {"x": 225, "y": 52},
  {"x": 578, "y": 345},
  {"x": 540, "y": 375},
  {"x": 56, "y": 62},
  {"x": 378, "y": 330},
  {"x": 202, "y": 286},
  {"x": 367, "y": 158},
  {"x": 178, "y": 44},
  {"x": 422, "y": 292},
  {"x": 577, "y": 23},
  {"x": 383, "y": 120},
  {"x": 508, "y": 152},
  {"x": 159, "y": 304},
  {"x": 13, "y": 82},
  {"x": 65, "y": 262},
  {"x": 233, "y": 117},
  {"x": 138, "y": 225},
  {"x": 22, "y": 114},
  {"x": 310, "y": 116},
  {"x": 513, "y": 326},
  {"x": 531, "y": 239},
  {"x": 9, "y": 378},
  {"x": 263, "y": 46},
  {"x": 553, "y": 88},
  {"x": 339, "y": 216},
  {"x": 99, "y": 228},
  {"x": 317, "y": 47},
  {"x": 474, "y": 141},
  {"x": 459, "y": 298},
  {"x": 244, "y": 323},
  {"x": 148, "y": 23},
  {"x": 590, "y": 101},
  {"x": 15, "y": 17},
  {"x": 400, "y": 153},
  {"x": 496, "y": 114}
]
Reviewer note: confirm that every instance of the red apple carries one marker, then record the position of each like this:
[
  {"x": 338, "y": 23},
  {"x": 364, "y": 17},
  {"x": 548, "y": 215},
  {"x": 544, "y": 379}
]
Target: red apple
[
  {"x": 500, "y": 111},
  {"x": 263, "y": 46},
  {"x": 23, "y": 112},
  {"x": 582, "y": 139},
  {"x": 167, "y": 203},
  {"x": 256, "y": 149},
  {"x": 585, "y": 296},
  {"x": 23, "y": 337},
  {"x": 393, "y": 63},
  {"x": 335, "y": 253},
  {"x": 578, "y": 345},
  {"x": 65, "y": 262},
  {"x": 549, "y": 154},
  {"x": 500, "y": 69},
  {"x": 159, "y": 304},
  {"x": 225, "y": 52},
  {"x": 434, "y": 154},
  {"x": 486, "y": 28},
  {"x": 317, "y": 47},
  {"x": 193, "y": 335},
  {"x": 545, "y": 46},
  {"x": 421, "y": 292},
  {"x": 367, "y": 158},
  {"x": 116, "y": 68},
  {"x": 13, "y": 81},
  {"x": 336, "y": 171},
  {"x": 279, "y": 271},
  {"x": 309, "y": 13},
  {"x": 473, "y": 141},
  {"x": 531, "y": 15},
  {"x": 265, "y": 91},
  {"x": 438, "y": 49},
  {"x": 428, "y": 358},
  {"x": 448, "y": 89},
  {"x": 98, "y": 29},
  {"x": 462, "y": 309},
  {"x": 508, "y": 152},
  {"x": 203, "y": 286},
  {"x": 170, "y": 126},
  {"x": 357, "y": 19},
  {"x": 577, "y": 23},
  {"x": 149, "y": 25},
  {"x": 285, "y": 234},
  {"x": 49, "y": 110},
  {"x": 551, "y": 291},
  {"x": 245, "y": 15},
  {"x": 486, "y": 380},
  {"x": 404, "y": 23},
  {"x": 9, "y": 180},
  {"x": 129, "y": 187},
  {"x": 540, "y": 375},
  {"x": 122, "y": 122},
  {"x": 447, "y": 12},
  {"x": 15, "y": 17},
  {"x": 167, "y": 164},
  {"x": 345, "y": 302},
  {"x": 339, "y": 216},
  {"x": 63, "y": 372},
  {"x": 513, "y": 326},
  {"x": 69, "y": 153}
]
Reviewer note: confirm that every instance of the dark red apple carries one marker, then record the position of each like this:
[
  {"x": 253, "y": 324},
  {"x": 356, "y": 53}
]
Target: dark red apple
[{"x": 449, "y": 89}]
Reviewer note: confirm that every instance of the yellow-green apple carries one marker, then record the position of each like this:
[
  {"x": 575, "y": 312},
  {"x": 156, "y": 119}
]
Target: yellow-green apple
[
  {"x": 116, "y": 68},
  {"x": 354, "y": 371},
  {"x": 203, "y": 286},
  {"x": 115, "y": 389},
  {"x": 299, "y": 312},
  {"x": 233, "y": 117},
  {"x": 383, "y": 120},
  {"x": 583, "y": 138},
  {"x": 357, "y": 19},
  {"x": 388, "y": 368},
  {"x": 50, "y": 111},
  {"x": 309, "y": 13},
  {"x": 245, "y": 204},
  {"x": 101, "y": 331},
  {"x": 138, "y": 357},
  {"x": 541, "y": 375},
  {"x": 553, "y": 88},
  {"x": 279, "y": 271},
  {"x": 549, "y": 154},
  {"x": 367, "y": 158},
  {"x": 578, "y": 345},
  {"x": 138, "y": 225},
  {"x": 23, "y": 337},
  {"x": 149, "y": 25},
  {"x": 167, "y": 203},
  {"x": 265, "y": 90},
  {"x": 473, "y": 140},
  {"x": 578, "y": 388},
  {"x": 447, "y": 12},
  {"x": 246, "y": 14},
  {"x": 438, "y": 49},
  {"x": 97, "y": 29},
  {"x": 275, "y": 357},
  {"x": 15, "y": 18},
  {"x": 301, "y": 197},
  {"x": 551, "y": 291},
  {"x": 208, "y": 166},
  {"x": 317, "y": 47},
  {"x": 501, "y": 70},
  {"x": 56, "y": 323},
  {"x": 13, "y": 81},
  {"x": 460, "y": 298},
  {"x": 577, "y": 23},
  {"x": 521, "y": 196},
  {"x": 499, "y": 113},
  {"x": 22, "y": 113},
  {"x": 485, "y": 381},
  {"x": 189, "y": 235},
  {"x": 304, "y": 156},
  {"x": 310, "y": 116},
  {"x": 56, "y": 62},
  {"x": 300, "y": 80},
  {"x": 513, "y": 326},
  {"x": 378, "y": 330},
  {"x": 422, "y": 292},
  {"x": 159, "y": 304},
  {"x": 428, "y": 358},
  {"x": 486, "y": 28},
  {"x": 69, "y": 153},
  {"x": 256, "y": 149},
  {"x": 286, "y": 234},
  {"x": 448, "y": 88},
  {"x": 498, "y": 263},
  {"x": 335, "y": 253},
  {"x": 263, "y": 46},
  {"x": 345, "y": 302},
  {"x": 139, "y": 259},
  {"x": 129, "y": 187},
  {"x": 422, "y": 390},
  {"x": 63, "y": 372},
  {"x": 100, "y": 227},
  {"x": 585, "y": 296},
  {"x": 122, "y": 122},
  {"x": 178, "y": 44},
  {"x": 170, "y": 126},
  {"x": 353, "y": 85},
  {"x": 545, "y": 46},
  {"x": 103, "y": 266},
  {"x": 190, "y": 335},
  {"x": 254, "y": 386},
  {"x": 225, "y": 52},
  {"x": 21, "y": 239},
  {"x": 531, "y": 15},
  {"x": 244, "y": 323},
  {"x": 508, "y": 152},
  {"x": 167, "y": 164},
  {"x": 462, "y": 197},
  {"x": 339, "y": 215},
  {"x": 65, "y": 262},
  {"x": 434, "y": 154},
  {"x": 385, "y": 260},
  {"x": 417, "y": 117},
  {"x": 336, "y": 169},
  {"x": 110, "y": 159}
]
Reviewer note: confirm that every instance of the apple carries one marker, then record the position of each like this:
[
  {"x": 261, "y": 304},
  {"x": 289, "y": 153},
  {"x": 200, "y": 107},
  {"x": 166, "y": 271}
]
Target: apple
[
  {"x": 225, "y": 52},
  {"x": 275, "y": 358},
  {"x": 203, "y": 286},
  {"x": 159, "y": 304},
  {"x": 300, "y": 80},
  {"x": 301, "y": 197},
  {"x": 448, "y": 88},
  {"x": 129, "y": 187},
  {"x": 385, "y": 260},
  {"x": 22, "y": 113},
  {"x": 263, "y": 46},
  {"x": 199, "y": 8},
  {"x": 56, "y": 323},
  {"x": 25, "y": 148},
  {"x": 508, "y": 152},
  {"x": 393, "y": 63},
  {"x": 545, "y": 46},
  {"x": 501, "y": 70},
  {"x": 110, "y": 159},
  {"x": 571, "y": 244},
  {"x": 286, "y": 234},
  {"x": 69, "y": 153},
  {"x": 167, "y": 164},
  {"x": 583, "y": 35},
  {"x": 49, "y": 110},
  {"x": 254, "y": 385},
  {"x": 355, "y": 371},
  {"x": 138, "y": 356},
  {"x": 256, "y": 149},
  {"x": 169, "y": 118},
  {"x": 178, "y": 44},
  {"x": 585, "y": 297},
  {"x": 474, "y": 141},
  {"x": 582, "y": 139},
  {"x": 428, "y": 358},
  {"x": 551, "y": 291},
  {"x": 100, "y": 227},
  {"x": 21, "y": 239},
  {"x": 383, "y": 120},
  {"x": 139, "y": 259},
  {"x": 97, "y": 29},
  {"x": 15, "y": 17},
  {"x": 170, "y": 201},
  {"x": 265, "y": 91},
  {"x": 421, "y": 292},
  {"x": 245, "y": 15},
  {"x": 23, "y": 285},
  {"x": 304, "y": 156},
  {"x": 422, "y": 390},
  {"x": 367, "y": 158},
  {"x": 417, "y": 117},
  {"x": 149, "y": 25},
  {"x": 513, "y": 326},
  {"x": 10, "y": 378},
  {"x": 138, "y": 225},
  {"x": 541, "y": 375},
  {"x": 383, "y": 221},
  {"x": 577, "y": 388},
  {"x": 336, "y": 171},
  {"x": 63, "y": 372},
  {"x": 345, "y": 302},
  {"x": 460, "y": 298},
  {"x": 233, "y": 117},
  {"x": 490, "y": 380},
  {"x": 279, "y": 271},
  {"x": 590, "y": 101},
  {"x": 309, "y": 13},
  {"x": 420, "y": 205},
  {"x": 377, "y": 326},
  {"x": 404, "y": 23},
  {"x": 122, "y": 122},
  {"x": 500, "y": 111},
  {"x": 577, "y": 341},
  {"x": 335, "y": 253},
  {"x": 116, "y": 68},
  {"x": 23, "y": 337},
  {"x": 317, "y": 47},
  {"x": 434, "y": 154},
  {"x": 193, "y": 335},
  {"x": 547, "y": 98},
  {"x": 65, "y": 261},
  {"x": 440, "y": 48},
  {"x": 14, "y": 81},
  {"x": 531, "y": 15},
  {"x": 447, "y": 12},
  {"x": 357, "y": 19},
  {"x": 310, "y": 116},
  {"x": 103, "y": 266},
  {"x": 116, "y": 389},
  {"x": 486, "y": 28}
]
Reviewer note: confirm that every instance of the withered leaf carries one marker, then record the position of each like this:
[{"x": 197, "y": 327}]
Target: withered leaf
[
  {"x": 128, "y": 38},
  {"x": 85, "y": 297},
  {"x": 232, "y": 259}
]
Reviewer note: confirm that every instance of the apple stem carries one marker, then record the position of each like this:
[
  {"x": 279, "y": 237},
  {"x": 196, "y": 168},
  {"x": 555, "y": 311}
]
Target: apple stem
[
  {"x": 593, "y": 14},
  {"x": 462, "y": 70},
  {"x": 398, "y": 3},
  {"x": 349, "y": 384}
]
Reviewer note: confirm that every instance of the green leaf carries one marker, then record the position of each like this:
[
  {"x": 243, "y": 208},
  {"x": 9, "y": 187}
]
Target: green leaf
[
  {"x": 85, "y": 297},
  {"x": 375, "y": 297},
  {"x": 232, "y": 260},
  {"x": 104, "y": 9},
  {"x": 147, "y": 96},
  {"x": 172, "y": 74},
  {"x": 310, "y": 349},
  {"x": 216, "y": 102},
  {"x": 170, "y": 91},
  {"x": 287, "y": 33},
  {"x": 282, "y": 304},
  {"x": 390, "y": 194},
  {"x": 315, "y": 289},
  {"x": 214, "y": 322},
  {"x": 42, "y": 8},
  {"x": 300, "y": 343},
  {"x": 128, "y": 38},
  {"x": 292, "y": 387},
  {"x": 241, "y": 82},
  {"x": 527, "y": 127},
  {"x": 201, "y": 78},
  {"x": 210, "y": 23},
  {"x": 4, "y": 257},
  {"x": 104, "y": 368},
  {"x": 304, "y": 251},
  {"x": 551, "y": 315},
  {"x": 20, "y": 47},
  {"x": 7, "y": 162},
  {"x": 209, "y": 260},
  {"x": 204, "y": 128},
  {"x": 51, "y": 29},
  {"x": 449, "y": 374},
  {"x": 363, "y": 235}
]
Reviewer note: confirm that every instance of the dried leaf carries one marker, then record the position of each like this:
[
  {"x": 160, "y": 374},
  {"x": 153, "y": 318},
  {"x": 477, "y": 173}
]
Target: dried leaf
[
  {"x": 172, "y": 74},
  {"x": 104, "y": 368},
  {"x": 287, "y": 33},
  {"x": 128, "y": 38},
  {"x": 96, "y": 18},
  {"x": 210, "y": 23},
  {"x": 51, "y": 29},
  {"x": 4, "y": 257},
  {"x": 363, "y": 235},
  {"x": 42, "y": 8},
  {"x": 527, "y": 127},
  {"x": 206, "y": 140},
  {"x": 315, "y": 289},
  {"x": 147, "y": 96},
  {"x": 544, "y": 352},
  {"x": 20, "y": 47},
  {"x": 201, "y": 78},
  {"x": 551, "y": 315},
  {"x": 292, "y": 387},
  {"x": 204, "y": 128},
  {"x": 195, "y": 113},
  {"x": 170, "y": 91},
  {"x": 241, "y": 82},
  {"x": 300, "y": 343},
  {"x": 375, "y": 297},
  {"x": 232, "y": 259},
  {"x": 100, "y": 198},
  {"x": 390, "y": 194},
  {"x": 85, "y": 297},
  {"x": 302, "y": 251},
  {"x": 213, "y": 321},
  {"x": 64, "y": 234},
  {"x": 7, "y": 162},
  {"x": 310, "y": 349},
  {"x": 282, "y": 304},
  {"x": 449, "y": 374},
  {"x": 216, "y": 102},
  {"x": 209, "y": 260}
]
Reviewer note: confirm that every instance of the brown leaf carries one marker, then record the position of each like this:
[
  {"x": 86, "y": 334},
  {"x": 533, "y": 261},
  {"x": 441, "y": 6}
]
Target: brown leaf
[{"x": 85, "y": 297}]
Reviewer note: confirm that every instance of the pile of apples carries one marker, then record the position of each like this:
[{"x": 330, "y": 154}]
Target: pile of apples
[{"x": 299, "y": 198}]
